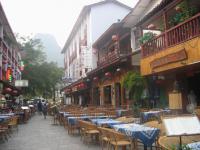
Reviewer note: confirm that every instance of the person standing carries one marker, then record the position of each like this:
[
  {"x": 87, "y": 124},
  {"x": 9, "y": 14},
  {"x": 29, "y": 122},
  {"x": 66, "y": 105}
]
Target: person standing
[
  {"x": 44, "y": 110},
  {"x": 39, "y": 105}
]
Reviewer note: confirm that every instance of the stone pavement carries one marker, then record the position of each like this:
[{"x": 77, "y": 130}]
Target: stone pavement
[{"x": 40, "y": 134}]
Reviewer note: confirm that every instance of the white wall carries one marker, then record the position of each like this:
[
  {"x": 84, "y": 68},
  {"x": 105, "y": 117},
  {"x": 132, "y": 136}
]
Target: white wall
[
  {"x": 102, "y": 17},
  {"x": 98, "y": 20}
]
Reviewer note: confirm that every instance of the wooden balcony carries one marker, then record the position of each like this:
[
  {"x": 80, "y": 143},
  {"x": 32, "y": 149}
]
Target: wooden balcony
[
  {"x": 176, "y": 35},
  {"x": 111, "y": 57}
]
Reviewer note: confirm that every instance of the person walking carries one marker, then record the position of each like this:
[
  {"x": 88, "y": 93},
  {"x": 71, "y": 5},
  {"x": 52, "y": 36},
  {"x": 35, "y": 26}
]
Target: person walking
[
  {"x": 39, "y": 106},
  {"x": 44, "y": 110}
]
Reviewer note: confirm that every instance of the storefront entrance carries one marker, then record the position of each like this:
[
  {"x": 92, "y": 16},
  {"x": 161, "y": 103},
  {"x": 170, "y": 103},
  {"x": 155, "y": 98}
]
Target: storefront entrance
[
  {"x": 193, "y": 82},
  {"x": 96, "y": 96},
  {"x": 118, "y": 94},
  {"x": 107, "y": 95}
]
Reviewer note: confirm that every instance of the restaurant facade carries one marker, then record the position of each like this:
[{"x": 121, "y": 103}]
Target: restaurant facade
[
  {"x": 170, "y": 51},
  {"x": 10, "y": 58},
  {"x": 114, "y": 61}
]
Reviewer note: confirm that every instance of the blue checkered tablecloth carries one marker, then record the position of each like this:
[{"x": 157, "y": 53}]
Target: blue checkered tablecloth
[
  {"x": 105, "y": 121},
  {"x": 73, "y": 120},
  {"x": 145, "y": 116},
  {"x": 4, "y": 117},
  {"x": 120, "y": 111},
  {"x": 146, "y": 134},
  {"x": 194, "y": 146}
]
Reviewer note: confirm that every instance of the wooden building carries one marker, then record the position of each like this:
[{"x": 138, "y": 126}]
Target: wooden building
[
  {"x": 10, "y": 57},
  {"x": 114, "y": 60},
  {"x": 170, "y": 50}
]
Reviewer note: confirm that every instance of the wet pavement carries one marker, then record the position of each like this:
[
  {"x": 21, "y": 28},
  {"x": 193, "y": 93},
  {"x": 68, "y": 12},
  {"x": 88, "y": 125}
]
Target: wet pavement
[{"x": 41, "y": 134}]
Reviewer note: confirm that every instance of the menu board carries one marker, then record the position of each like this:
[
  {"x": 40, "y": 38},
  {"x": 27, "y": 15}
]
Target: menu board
[{"x": 183, "y": 125}]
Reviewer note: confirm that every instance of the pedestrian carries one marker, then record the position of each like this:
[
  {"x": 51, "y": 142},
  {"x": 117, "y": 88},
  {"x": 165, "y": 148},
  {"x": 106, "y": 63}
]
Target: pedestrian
[
  {"x": 39, "y": 106},
  {"x": 44, "y": 110}
]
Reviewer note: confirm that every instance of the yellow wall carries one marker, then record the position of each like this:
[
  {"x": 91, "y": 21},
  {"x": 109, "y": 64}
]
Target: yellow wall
[
  {"x": 191, "y": 47},
  {"x": 112, "y": 81}
]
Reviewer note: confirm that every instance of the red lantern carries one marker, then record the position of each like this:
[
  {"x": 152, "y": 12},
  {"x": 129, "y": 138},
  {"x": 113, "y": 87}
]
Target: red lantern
[
  {"x": 108, "y": 74},
  {"x": 8, "y": 89},
  {"x": 95, "y": 78},
  {"x": 178, "y": 8},
  {"x": 115, "y": 37},
  {"x": 151, "y": 26},
  {"x": 15, "y": 91}
]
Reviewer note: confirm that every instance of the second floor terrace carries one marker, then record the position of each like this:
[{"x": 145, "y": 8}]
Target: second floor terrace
[
  {"x": 113, "y": 45},
  {"x": 174, "y": 23}
]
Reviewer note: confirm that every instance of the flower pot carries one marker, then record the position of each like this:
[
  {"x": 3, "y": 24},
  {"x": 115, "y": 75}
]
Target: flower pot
[
  {"x": 151, "y": 26},
  {"x": 178, "y": 9}
]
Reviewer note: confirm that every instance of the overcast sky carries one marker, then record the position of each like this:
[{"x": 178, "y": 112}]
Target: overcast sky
[{"x": 56, "y": 17}]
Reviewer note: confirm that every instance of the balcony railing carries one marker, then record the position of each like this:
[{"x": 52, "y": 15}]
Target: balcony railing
[
  {"x": 176, "y": 35},
  {"x": 108, "y": 58}
]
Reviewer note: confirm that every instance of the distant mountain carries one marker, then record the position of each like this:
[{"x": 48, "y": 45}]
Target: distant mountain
[{"x": 51, "y": 48}]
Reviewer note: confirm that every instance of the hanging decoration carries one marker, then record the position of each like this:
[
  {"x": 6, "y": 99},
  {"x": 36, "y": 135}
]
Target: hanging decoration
[
  {"x": 21, "y": 65},
  {"x": 108, "y": 74},
  {"x": 95, "y": 79},
  {"x": 118, "y": 69},
  {"x": 151, "y": 26},
  {"x": 115, "y": 37},
  {"x": 9, "y": 76}
]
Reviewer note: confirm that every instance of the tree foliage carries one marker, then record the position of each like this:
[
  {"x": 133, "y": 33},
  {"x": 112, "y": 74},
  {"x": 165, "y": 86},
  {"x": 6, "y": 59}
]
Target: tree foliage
[
  {"x": 42, "y": 75},
  {"x": 134, "y": 83}
]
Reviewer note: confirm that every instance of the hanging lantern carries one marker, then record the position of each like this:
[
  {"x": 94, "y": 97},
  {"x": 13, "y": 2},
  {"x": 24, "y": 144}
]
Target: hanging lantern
[
  {"x": 15, "y": 91},
  {"x": 114, "y": 37},
  {"x": 118, "y": 69},
  {"x": 8, "y": 89},
  {"x": 108, "y": 74},
  {"x": 151, "y": 26},
  {"x": 95, "y": 78},
  {"x": 178, "y": 9}
]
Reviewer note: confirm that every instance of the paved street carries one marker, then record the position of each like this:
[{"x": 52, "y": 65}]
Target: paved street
[{"x": 40, "y": 134}]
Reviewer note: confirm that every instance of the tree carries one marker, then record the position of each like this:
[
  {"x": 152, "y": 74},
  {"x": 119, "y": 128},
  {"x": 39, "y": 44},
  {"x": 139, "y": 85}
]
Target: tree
[{"x": 42, "y": 75}]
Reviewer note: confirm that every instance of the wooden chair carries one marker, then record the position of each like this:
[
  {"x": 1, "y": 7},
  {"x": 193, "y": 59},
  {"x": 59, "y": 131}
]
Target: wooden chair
[
  {"x": 13, "y": 123},
  {"x": 88, "y": 131},
  {"x": 104, "y": 137},
  {"x": 119, "y": 140},
  {"x": 168, "y": 143}
]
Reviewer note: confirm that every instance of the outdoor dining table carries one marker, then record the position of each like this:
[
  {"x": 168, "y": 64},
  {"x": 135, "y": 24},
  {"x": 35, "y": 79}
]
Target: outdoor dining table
[
  {"x": 8, "y": 114},
  {"x": 105, "y": 121},
  {"x": 119, "y": 112},
  {"x": 194, "y": 146},
  {"x": 4, "y": 118},
  {"x": 84, "y": 114},
  {"x": 136, "y": 131},
  {"x": 145, "y": 116},
  {"x": 73, "y": 120}
]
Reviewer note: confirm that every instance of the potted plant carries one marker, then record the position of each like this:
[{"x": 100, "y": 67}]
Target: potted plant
[
  {"x": 146, "y": 37},
  {"x": 135, "y": 84}
]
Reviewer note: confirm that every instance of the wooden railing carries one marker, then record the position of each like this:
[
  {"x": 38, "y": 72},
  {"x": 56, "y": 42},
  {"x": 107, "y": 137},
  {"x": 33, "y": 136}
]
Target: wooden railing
[
  {"x": 108, "y": 58},
  {"x": 176, "y": 35}
]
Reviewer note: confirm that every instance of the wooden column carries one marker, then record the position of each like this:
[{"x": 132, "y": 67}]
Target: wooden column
[{"x": 165, "y": 28}]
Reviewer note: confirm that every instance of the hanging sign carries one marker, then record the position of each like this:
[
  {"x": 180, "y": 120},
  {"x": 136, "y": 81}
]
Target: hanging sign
[
  {"x": 21, "y": 83},
  {"x": 171, "y": 58}
]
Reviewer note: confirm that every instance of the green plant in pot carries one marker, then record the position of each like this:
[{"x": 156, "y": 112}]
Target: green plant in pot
[
  {"x": 183, "y": 12},
  {"x": 146, "y": 37},
  {"x": 135, "y": 84}
]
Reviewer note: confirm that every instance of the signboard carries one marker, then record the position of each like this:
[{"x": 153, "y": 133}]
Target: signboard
[
  {"x": 171, "y": 58},
  {"x": 21, "y": 83},
  {"x": 182, "y": 125}
]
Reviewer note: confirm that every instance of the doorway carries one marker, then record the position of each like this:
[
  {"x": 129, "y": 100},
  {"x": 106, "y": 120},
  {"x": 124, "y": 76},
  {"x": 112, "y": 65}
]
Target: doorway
[
  {"x": 96, "y": 96},
  {"x": 194, "y": 85},
  {"x": 107, "y": 95},
  {"x": 118, "y": 94}
]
